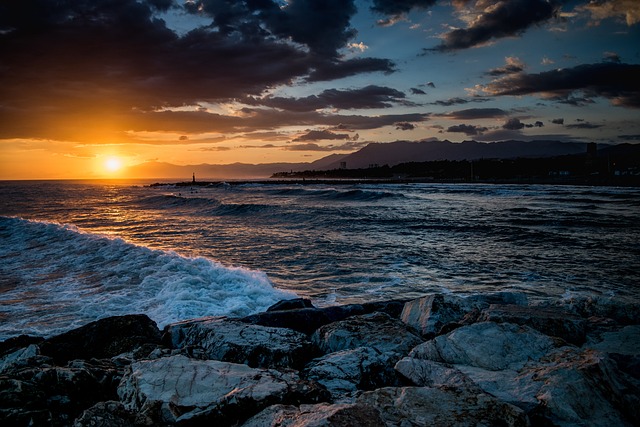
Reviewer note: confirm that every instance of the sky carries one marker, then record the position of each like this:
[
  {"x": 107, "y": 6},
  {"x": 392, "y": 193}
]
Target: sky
[{"x": 89, "y": 87}]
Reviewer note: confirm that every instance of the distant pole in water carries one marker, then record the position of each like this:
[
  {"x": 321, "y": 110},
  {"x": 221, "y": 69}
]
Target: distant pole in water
[{"x": 194, "y": 178}]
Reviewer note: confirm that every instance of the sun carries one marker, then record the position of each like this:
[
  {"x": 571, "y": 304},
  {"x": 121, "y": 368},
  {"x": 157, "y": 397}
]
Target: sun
[{"x": 113, "y": 164}]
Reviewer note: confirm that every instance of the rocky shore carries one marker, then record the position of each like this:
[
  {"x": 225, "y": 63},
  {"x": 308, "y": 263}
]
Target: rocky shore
[{"x": 441, "y": 360}]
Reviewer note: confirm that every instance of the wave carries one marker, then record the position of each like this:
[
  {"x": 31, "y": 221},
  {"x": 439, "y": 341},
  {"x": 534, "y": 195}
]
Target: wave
[
  {"x": 64, "y": 277},
  {"x": 171, "y": 201}
]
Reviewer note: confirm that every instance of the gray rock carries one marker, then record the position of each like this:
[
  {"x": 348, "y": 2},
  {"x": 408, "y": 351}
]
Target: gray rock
[
  {"x": 362, "y": 368},
  {"x": 177, "y": 389},
  {"x": 376, "y": 330},
  {"x": 551, "y": 321},
  {"x": 238, "y": 342},
  {"x": 110, "y": 414},
  {"x": 625, "y": 341},
  {"x": 427, "y": 373},
  {"x": 22, "y": 358},
  {"x": 319, "y": 415},
  {"x": 488, "y": 345},
  {"x": 621, "y": 310},
  {"x": 430, "y": 406}
]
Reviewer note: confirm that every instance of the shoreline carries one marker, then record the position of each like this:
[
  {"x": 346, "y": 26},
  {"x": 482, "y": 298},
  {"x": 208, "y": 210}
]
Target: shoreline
[{"x": 441, "y": 359}]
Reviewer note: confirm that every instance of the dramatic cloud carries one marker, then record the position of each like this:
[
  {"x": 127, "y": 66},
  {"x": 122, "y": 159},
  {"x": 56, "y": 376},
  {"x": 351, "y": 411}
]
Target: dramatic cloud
[
  {"x": 617, "y": 82},
  {"x": 321, "y": 135},
  {"x": 417, "y": 91},
  {"x": 512, "y": 65},
  {"x": 557, "y": 121},
  {"x": 469, "y": 130},
  {"x": 310, "y": 146},
  {"x": 476, "y": 113},
  {"x": 627, "y": 10},
  {"x": 333, "y": 70},
  {"x": 499, "y": 19},
  {"x": 516, "y": 124},
  {"x": 367, "y": 97},
  {"x": 396, "y": 7},
  {"x": 404, "y": 126}
]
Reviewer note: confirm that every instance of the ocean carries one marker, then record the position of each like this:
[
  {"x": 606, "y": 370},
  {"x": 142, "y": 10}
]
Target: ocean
[{"x": 72, "y": 252}]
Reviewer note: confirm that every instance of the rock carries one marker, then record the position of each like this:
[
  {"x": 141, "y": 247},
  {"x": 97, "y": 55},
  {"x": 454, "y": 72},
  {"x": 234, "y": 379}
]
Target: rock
[
  {"x": 308, "y": 320},
  {"x": 429, "y": 314},
  {"x": 427, "y": 373},
  {"x": 622, "y": 311},
  {"x": 376, "y": 330},
  {"x": 548, "y": 320},
  {"x": 625, "y": 341},
  {"x": 110, "y": 414},
  {"x": 319, "y": 415},
  {"x": 291, "y": 304},
  {"x": 430, "y": 406},
  {"x": 22, "y": 358},
  {"x": 101, "y": 339},
  {"x": 177, "y": 389},
  {"x": 487, "y": 345},
  {"x": 16, "y": 343},
  {"x": 54, "y": 396},
  {"x": 344, "y": 372},
  {"x": 580, "y": 387},
  {"x": 238, "y": 342}
]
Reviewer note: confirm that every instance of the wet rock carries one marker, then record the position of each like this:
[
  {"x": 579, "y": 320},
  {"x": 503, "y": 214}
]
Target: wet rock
[
  {"x": 375, "y": 330},
  {"x": 618, "y": 309},
  {"x": 22, "y": 358},
  {"x": 238, "y": 342},
  {"x": 548, "y": 320},
  {"x": 429, "y": 314},
  {"x": 427, "y": 406},
  {"x": 625, "y": 341},
  {"x": 362, "y": 368},
  {"x": 102, "y": 339},
  {"x": 319, "y": 415},
  {"x": 291, "y": 304},
  {"x": 585, "y": 388},
  {"x": 16, "y": 343},
  {"x": 308, "y": 320},
  {"x": 55, "y": 395},
  {"x": 110, "y": 414},
  {"x": 488, "y": 345},
  {"x": 177, "y": 389}
]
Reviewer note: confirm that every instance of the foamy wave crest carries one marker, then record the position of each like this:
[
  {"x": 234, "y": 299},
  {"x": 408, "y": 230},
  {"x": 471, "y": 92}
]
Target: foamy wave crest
[{"x": 55, "y": 277}]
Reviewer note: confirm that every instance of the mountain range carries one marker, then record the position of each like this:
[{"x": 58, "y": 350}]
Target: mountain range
[{"x": 391, "y": 154}]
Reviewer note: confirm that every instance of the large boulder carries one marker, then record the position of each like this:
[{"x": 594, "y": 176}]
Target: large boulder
[
  {"x": 319, "y": 415},
  {"x": 488, "y": 345},
  {"x": 103, "y": 338},
  {"x": 430, "y": 406},
  {"x": 178, "y": 389},
  {"x": 429, "y": 314},
  {"x": 621, "y": 310},
  {"x": 624, "y": 341},
  {"x": 551, "y": 321},
  {"x": 238, "y": 342},
  {"x": 427, "y": 373},
  {"x": 376, "y": 330},
  {"x": 344, "y": 372}
]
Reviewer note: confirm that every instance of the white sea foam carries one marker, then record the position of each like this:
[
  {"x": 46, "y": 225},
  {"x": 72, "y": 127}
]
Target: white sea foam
[{"x": 56, "y": 277}]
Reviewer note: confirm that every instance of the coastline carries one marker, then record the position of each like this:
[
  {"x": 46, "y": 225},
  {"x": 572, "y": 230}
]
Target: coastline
[{"x": 488, "y": 358}]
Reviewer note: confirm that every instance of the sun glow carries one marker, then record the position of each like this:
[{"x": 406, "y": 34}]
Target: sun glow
[{"x": 113, "y": 164}]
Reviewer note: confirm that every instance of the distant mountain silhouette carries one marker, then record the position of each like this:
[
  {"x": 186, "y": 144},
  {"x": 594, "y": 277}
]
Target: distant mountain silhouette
[
  {"x": 394, "y": 153},
  {"x": 391, "y": 154}
]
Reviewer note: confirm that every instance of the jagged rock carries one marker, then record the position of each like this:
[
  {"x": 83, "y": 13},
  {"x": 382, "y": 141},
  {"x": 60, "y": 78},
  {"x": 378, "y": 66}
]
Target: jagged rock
[
  {"x": 362, "y": 368},
  {"x": 376, "y": 330},
  {"x": 291, "y": 304},
  {"x": 621, "y": 310},
  {"x": 177, "y": 389},
  {"x": 22, "y": 358},
  {"x": 430, "y": 406},
  {"x": 488, "y": 345},
  {"x": 54, "y": 396},
  {"x": 320, "y": 415},
  {"x": 548, "y": 320},
  {"x": 307, "y": 320},
  {"x": 429, "y": 314},
  {"x": 427, "y": 373},
  {"x": 625, "y": 341},
  {"x": 585, "y": 388},
  {"x": 102, "y": 339},
  {"x": 110, "y": 414},
  {"x": 234, "y": 341},
  {"x": 16, "y": 343}
]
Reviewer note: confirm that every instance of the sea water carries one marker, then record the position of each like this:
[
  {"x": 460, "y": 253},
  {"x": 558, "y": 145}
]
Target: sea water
[{"x": 73, "y": 252}]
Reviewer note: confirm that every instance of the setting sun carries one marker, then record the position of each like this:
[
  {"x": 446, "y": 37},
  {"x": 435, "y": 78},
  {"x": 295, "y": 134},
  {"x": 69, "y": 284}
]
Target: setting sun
[{"x": 113, "y": 164}]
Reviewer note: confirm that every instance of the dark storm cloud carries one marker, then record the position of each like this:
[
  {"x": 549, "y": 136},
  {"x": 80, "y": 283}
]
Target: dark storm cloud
[
  {"x": 513, "y": 124},
  {"x": 417, "y": 91},
  {"x": 499, "y": 19},
  {"x": 396, "y": 7},
  {"x": 616, "y": 82},
  {"x": 558, "y": 121},
  {"x": 585, "y": 125},
  {"x": 469, "y": 130},
  {"x": 92, "y": 60},
  {"x": 476, "y": 113},
  {"x": 321, "y": 135},
  {"x": 368, "y": 97}
]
